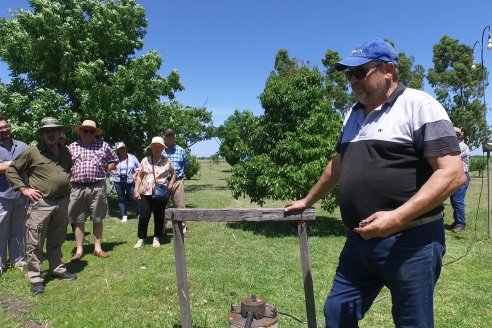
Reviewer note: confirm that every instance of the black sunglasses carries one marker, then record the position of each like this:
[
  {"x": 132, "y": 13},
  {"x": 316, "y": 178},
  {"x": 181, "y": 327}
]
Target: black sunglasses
[
  {"x": 88, "y": 131},
  {"x": 359, "y": 72}
]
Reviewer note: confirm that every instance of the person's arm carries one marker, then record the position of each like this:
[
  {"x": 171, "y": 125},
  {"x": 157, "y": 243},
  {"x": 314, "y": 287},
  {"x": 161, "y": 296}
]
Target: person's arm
[
  {"x": 173, "y": 178},
  {"x": 13, "y": 174},
  {"x": 448, "y": 176},
  {"x": 4, "y": 166},
  {"x": 111, "y": 167},
  {"x": 327, "y": 181},
  {"x": 139, "y": 175}
]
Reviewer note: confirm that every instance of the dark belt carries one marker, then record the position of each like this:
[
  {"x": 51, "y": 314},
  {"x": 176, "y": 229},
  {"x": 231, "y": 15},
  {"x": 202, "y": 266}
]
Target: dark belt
[
  {"x": 56, "y": 197},
  {"x": 86, "y": 184}
]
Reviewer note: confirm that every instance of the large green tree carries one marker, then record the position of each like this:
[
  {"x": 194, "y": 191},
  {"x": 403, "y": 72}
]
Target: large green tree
[
  {"x": 459, "y": 88},
  {"x": 235, "y": 135},
  {"x": 294, "y": 138},
  {"x": 75, "y": 60}
]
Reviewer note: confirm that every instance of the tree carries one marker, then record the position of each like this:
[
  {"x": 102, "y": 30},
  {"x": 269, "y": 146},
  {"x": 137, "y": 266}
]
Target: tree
[
  {"x": 459, "y": 88},
  {"x": 235, "y": 135},
  {"x": 289, "y": 148},
  {"x": 75, "y": 60},
  {"x": 410, "y": 75}
]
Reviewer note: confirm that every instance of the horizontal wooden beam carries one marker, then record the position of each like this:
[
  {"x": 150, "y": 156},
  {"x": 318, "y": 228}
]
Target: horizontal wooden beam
[{"x": 238, "y": 214}]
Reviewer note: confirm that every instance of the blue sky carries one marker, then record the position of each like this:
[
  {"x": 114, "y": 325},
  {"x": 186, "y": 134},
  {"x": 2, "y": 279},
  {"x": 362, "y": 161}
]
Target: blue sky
[{"x": 224, "y": 50}]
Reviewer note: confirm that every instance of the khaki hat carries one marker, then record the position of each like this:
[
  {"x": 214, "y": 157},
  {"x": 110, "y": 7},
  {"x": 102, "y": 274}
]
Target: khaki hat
[
  {"x": 88, "y": 124},
  {"x": 50, "y": 122},
  {"x": 157, "y": 140},
  {"x": 119, "y": 145},
  {"x": 457, "y": 130}
]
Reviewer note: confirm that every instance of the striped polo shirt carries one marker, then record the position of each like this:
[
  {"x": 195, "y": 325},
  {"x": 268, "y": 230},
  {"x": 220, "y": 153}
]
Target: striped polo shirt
[{"x": 384, "y": 154}]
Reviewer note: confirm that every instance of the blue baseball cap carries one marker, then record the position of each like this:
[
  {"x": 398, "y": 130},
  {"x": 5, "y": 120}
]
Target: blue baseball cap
[{"x": 374, "y": 50}]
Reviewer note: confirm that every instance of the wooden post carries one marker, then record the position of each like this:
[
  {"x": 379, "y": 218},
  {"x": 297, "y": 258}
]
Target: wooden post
[
  {"x": 239, "y": 215},
  {"x": 306, "y": 274},
  {"x": 181, "y": 274}
]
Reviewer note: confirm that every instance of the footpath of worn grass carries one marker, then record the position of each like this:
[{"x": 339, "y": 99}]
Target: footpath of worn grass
[{"x": 227, "y": 262}]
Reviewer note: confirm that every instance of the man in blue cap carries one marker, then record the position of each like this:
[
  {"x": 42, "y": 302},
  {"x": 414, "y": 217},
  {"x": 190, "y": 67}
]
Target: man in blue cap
[{"x": 397, "y": 160}]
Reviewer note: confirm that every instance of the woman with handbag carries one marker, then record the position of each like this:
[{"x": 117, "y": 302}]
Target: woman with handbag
[
  {"x": 122, "y": 179},
  {"x": 153, "y": 184}
]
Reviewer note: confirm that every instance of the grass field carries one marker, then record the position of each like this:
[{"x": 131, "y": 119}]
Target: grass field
[{"x": 226, "y": 262}]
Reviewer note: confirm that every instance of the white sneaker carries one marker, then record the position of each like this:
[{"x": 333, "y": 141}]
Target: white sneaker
[
  {"x": 139, "y": 244},
  {"x": 156, "y": 242},
  {"x": 21, "y": 264},
  {"x": 124, "y": 219}
]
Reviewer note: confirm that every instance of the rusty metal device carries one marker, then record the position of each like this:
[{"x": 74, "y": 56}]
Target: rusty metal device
[{"x": 264, "y": 315}]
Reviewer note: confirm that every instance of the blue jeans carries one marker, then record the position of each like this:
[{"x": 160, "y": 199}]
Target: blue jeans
[
  {"x": 125, "y": 191},
  {"x": 458, "y": 203},
  {"x": 408, "y": 263}
]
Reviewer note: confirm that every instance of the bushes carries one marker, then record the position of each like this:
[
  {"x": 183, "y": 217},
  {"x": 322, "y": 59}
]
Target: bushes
[
  {"x": 478, "y": 164},
  {"x": 192, "y": 169}
]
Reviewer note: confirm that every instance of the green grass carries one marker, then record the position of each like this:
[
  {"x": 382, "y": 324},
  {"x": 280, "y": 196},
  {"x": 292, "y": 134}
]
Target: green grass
[{"x": 229, "y": 261}]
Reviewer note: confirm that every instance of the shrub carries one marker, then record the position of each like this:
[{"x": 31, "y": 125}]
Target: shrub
[
  {"x": 478, "y": 164},
  {"x": 192, "y": 169}
]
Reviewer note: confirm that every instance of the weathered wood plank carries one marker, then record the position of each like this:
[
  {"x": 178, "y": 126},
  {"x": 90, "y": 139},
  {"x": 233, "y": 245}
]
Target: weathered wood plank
[
  {"x": 306, "y": 274},
  {"x": 181, "y": 274},
  {"x": 238, "y": 214}
]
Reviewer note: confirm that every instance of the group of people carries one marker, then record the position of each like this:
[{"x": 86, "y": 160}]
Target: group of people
[
  {"x": 395, "y": 231},
  {"x": 47, "y": 186}
]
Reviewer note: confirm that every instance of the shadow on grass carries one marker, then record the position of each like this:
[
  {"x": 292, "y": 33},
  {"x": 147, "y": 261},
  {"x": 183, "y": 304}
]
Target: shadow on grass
[
  {"x": 200, "y": 187},
  {"x": 114, "y": 209},
  {"x": 323, "y": 226}
]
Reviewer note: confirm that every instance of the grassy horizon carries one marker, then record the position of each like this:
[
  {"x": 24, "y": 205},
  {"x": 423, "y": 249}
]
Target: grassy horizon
[{"x": 229, "y": 261}]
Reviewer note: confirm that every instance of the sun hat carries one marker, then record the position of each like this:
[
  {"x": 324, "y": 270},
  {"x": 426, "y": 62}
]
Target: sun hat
[
  {"x": 457, "y": 130},
  {"x": 157, "y": 140},
  {"x": 50, "y": 122},
  {"x": 88, "y": 124},
  {"x": 374, "y": 50},
  {"x": 119, "y": 145}
]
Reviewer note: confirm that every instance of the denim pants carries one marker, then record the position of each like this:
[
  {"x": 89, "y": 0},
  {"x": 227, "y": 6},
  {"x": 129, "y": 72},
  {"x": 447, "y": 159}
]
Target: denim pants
[
  {"x": 408, "y": 263},
  {"x": 125, "y": 192},
  {"x": 458, "y": 203}
]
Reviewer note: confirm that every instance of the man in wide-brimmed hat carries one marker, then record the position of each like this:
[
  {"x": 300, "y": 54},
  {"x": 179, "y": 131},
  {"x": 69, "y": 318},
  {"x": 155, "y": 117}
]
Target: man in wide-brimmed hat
[
  {"x": 12, "y": 204},
  {"x": 92, "y": 159},
  {"x": 47, "y": 165}
]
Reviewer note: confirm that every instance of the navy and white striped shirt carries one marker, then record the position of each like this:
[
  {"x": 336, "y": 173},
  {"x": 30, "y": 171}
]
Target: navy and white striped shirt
[{"x": 384, "y": 154}]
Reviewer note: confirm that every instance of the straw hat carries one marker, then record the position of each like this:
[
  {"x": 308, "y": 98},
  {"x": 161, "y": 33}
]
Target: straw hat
[
  {"x": 457, "y": 130},
  {"x": 157, "y": 140},
  {"x": 88, "y": 124}
]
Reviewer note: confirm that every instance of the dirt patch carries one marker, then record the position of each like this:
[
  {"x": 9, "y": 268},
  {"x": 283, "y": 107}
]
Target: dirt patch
[{"x": 19, "y": 309}]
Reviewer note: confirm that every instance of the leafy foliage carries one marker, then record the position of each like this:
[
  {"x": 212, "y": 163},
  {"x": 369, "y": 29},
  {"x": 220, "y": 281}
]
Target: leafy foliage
[
  {"x": 459, "y": 88},
  {"x": 192, "y": 169},
  {"x": 235, "y": 135},
  {"x": 288, "y": 149},
  {"x": 75, "y": 60}
]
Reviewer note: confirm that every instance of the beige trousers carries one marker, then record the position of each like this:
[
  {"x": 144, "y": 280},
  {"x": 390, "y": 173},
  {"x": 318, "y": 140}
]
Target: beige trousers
[{"x": 46, "y": 221}]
